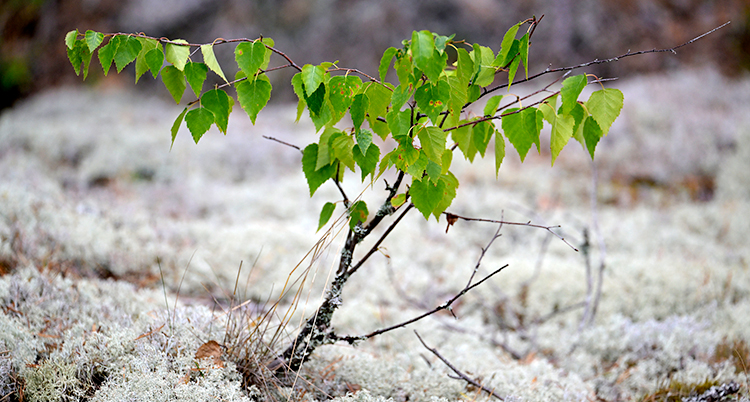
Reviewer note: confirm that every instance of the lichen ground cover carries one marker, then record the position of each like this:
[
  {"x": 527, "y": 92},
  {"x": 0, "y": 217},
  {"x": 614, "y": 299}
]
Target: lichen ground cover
[{"x": 95, "y": 209}]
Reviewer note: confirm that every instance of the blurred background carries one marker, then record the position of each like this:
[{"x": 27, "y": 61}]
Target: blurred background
[{"x": 32, "y": 53}]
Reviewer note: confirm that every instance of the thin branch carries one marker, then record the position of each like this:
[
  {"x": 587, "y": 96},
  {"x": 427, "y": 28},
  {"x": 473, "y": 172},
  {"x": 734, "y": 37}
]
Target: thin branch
[
  {"x": 282, "y": 142},
  {"x": 375, "y": 246},
  {"x": 457, "y": 371},
  {"x": 445, "y": 306},
  {"x": 610, "y": 60},
  {"x": 529, "y": 224}
]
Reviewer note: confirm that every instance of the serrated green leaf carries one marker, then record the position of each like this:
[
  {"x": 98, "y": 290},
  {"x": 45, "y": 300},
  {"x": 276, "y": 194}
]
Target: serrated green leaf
[
  {"x": 74, "y": 56},
  {"x": 462, "y": 136},
  {"x": 604, "y": 106},
  {"x": 196, "y": 73},
  {"x": 325, "y": 154},
  {"x": 315, "y": 177},
  {"x": 367, "y": 161},
  {"x": 220, "y": 104},
  {"x": 433, "y": 98},
  {"x": 509, "y": 38},
  {"x": 249, "y": 57},
  {"x": 514, "y": 63},
  {"x": 432, "y": 140},
  {"x": 174, "y": 80},
  {"x": 499, "y": 152},
  {"x": 358, "y": 110},
  {"x": 342, "y": 145},
  {"x": 176, "y": 126},
  {"x": 579, "y": 115},
  {"x": 401, "y": 95},
  {"x": 422, "y": 50},
  {"x": 404, "y": 70},
  {"x": 436, "y": 65},
  {"x": 253, "y": 95},
  {"x": 210, "y": 59},
  {"x": 399, "y": 122},
  {"x": 591, "y": 133},
  {"x": 325, "y": 214},
  {"x": 458, "y": 99},
  {"x": 312, "y": 77},
  {"x": 141, "y": 64},
  {"x": 473, "y": 93},
  {"x": 316, "y": 103},
  {"x": 379, "y": 97},
  {"x": 562, "y": 131},
  {"x": 491, "y": 107},
  {"x": 464, "y": 66},
  {"x": 405, "y": 154},
  {"x": 154, "y": 60},
  {"x": 483, "y": 58},
  {"x": 357, "y": 213},
  {"x": 447, "y": 159},
  {"x": 107, "y": 53},
  {"x": 93, "y": 39},
  {"x": 385, "y": 62},
  {"x": 426, "y": 195},
  {"x": 127, "y": 51},
  {"x": 571, "y": 89},
  {"x": 177, "y": 55},
  {"x": 299, "y": 90},
  {"x": 522, "y": 129},
  {"x": 450, "y": 184},
  {"x": 70, "y": 38},
  {"x": 198, "y": 121},
  {"x": 481, "y": 135},
  {"x": 341, "y": 91},
  {"x": 417, "y": 168},
  {"x": 364, "y": 140}
]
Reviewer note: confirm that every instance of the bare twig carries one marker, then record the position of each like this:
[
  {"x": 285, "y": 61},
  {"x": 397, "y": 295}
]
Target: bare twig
[
  {"x": 529, "y": 224},
  {"x": 457, "y": 371},
  {"x": 282, "y": 142},
  {"x": 445, "y": 306}
]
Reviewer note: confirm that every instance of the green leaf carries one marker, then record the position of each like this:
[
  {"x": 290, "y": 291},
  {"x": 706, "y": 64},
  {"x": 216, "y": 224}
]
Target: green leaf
[
  {"x": 459, "y": 97},
  {"x": 491, "y": 107},
  {"x": 342, "y": 145},
  {"x": 74, "y": 56},
  {"x": 433, "y": 98},
  {"x": 422, "y": 50},
  {"x": 220, "y": 104},
  {"x": 462, "y": 136},
  {"x": 299, "y": 90},
  {"x": 385, "y": 62},
  {"x": 592, "y": 133},
  {"x": 404, "y": 70},
  {"x": 405, "y": 154},
  {"x": 523, "y": 50},
  {"x": 174, "y": 80},
  {"x": 562, "y": 130},
  {"x": 571, "y": 89},
  {"x": 312, "y": 77},
  {"x": 398, "y": 200},
  {"x": 325, "y": 156},
  {"x": 401, "y": 94},
  {"x": 249, "y": 57},
  {"x": 473, "y": 93},
  {"x": 154, "y": 59},
  {"x": 316, "y": 102},
  {"x": 499, "y": 152},
  {"x": 176, "y": 126},
  {"x": 315, "y": 178},
  {"x": 198, "y": 121},
  {"x": 358, "y": 110},
  {"x": 177, "y": 55},
  {"x": 503, "y": 55},
  {"x": 417, "y": 168},
  {"x": 464, "y": 66},
  {"x": 325, "y": 214},
  {"x": 127, "y": 51},
  {"x": 107, "y": 53},
  {"x": 93, "y": 39},
  {"x": 399, "y": 122},
  {"x": 483, "y": 58},
  {"x": 357, "y": 214},
  {"x": 141, "y": 64},
  {"x": 196, "y": 74},
  {"x": 253, "y": 95},
  {"x": 210, "y": 59},
  {"x": 516, "y": 61},
  {"x": 432, "y": 140},
  {"x": 342, "y": 90},
  {"x": 604, "y": 106},
  {"x": 450, "y": 184},
  {"x": 425, "y": 195},
  {"x": 364, "y": 140},
  {"x": 70, "y": 38},
  {"x": 379, "y": 97},
  {"x": 481, "y": 135},
  {"x": 368, "y": 161},
  {"x": 522, "y": 129}
]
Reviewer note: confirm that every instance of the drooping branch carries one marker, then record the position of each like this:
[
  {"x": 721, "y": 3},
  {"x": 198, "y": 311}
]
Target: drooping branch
[{"x": 458, "y": 372}]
